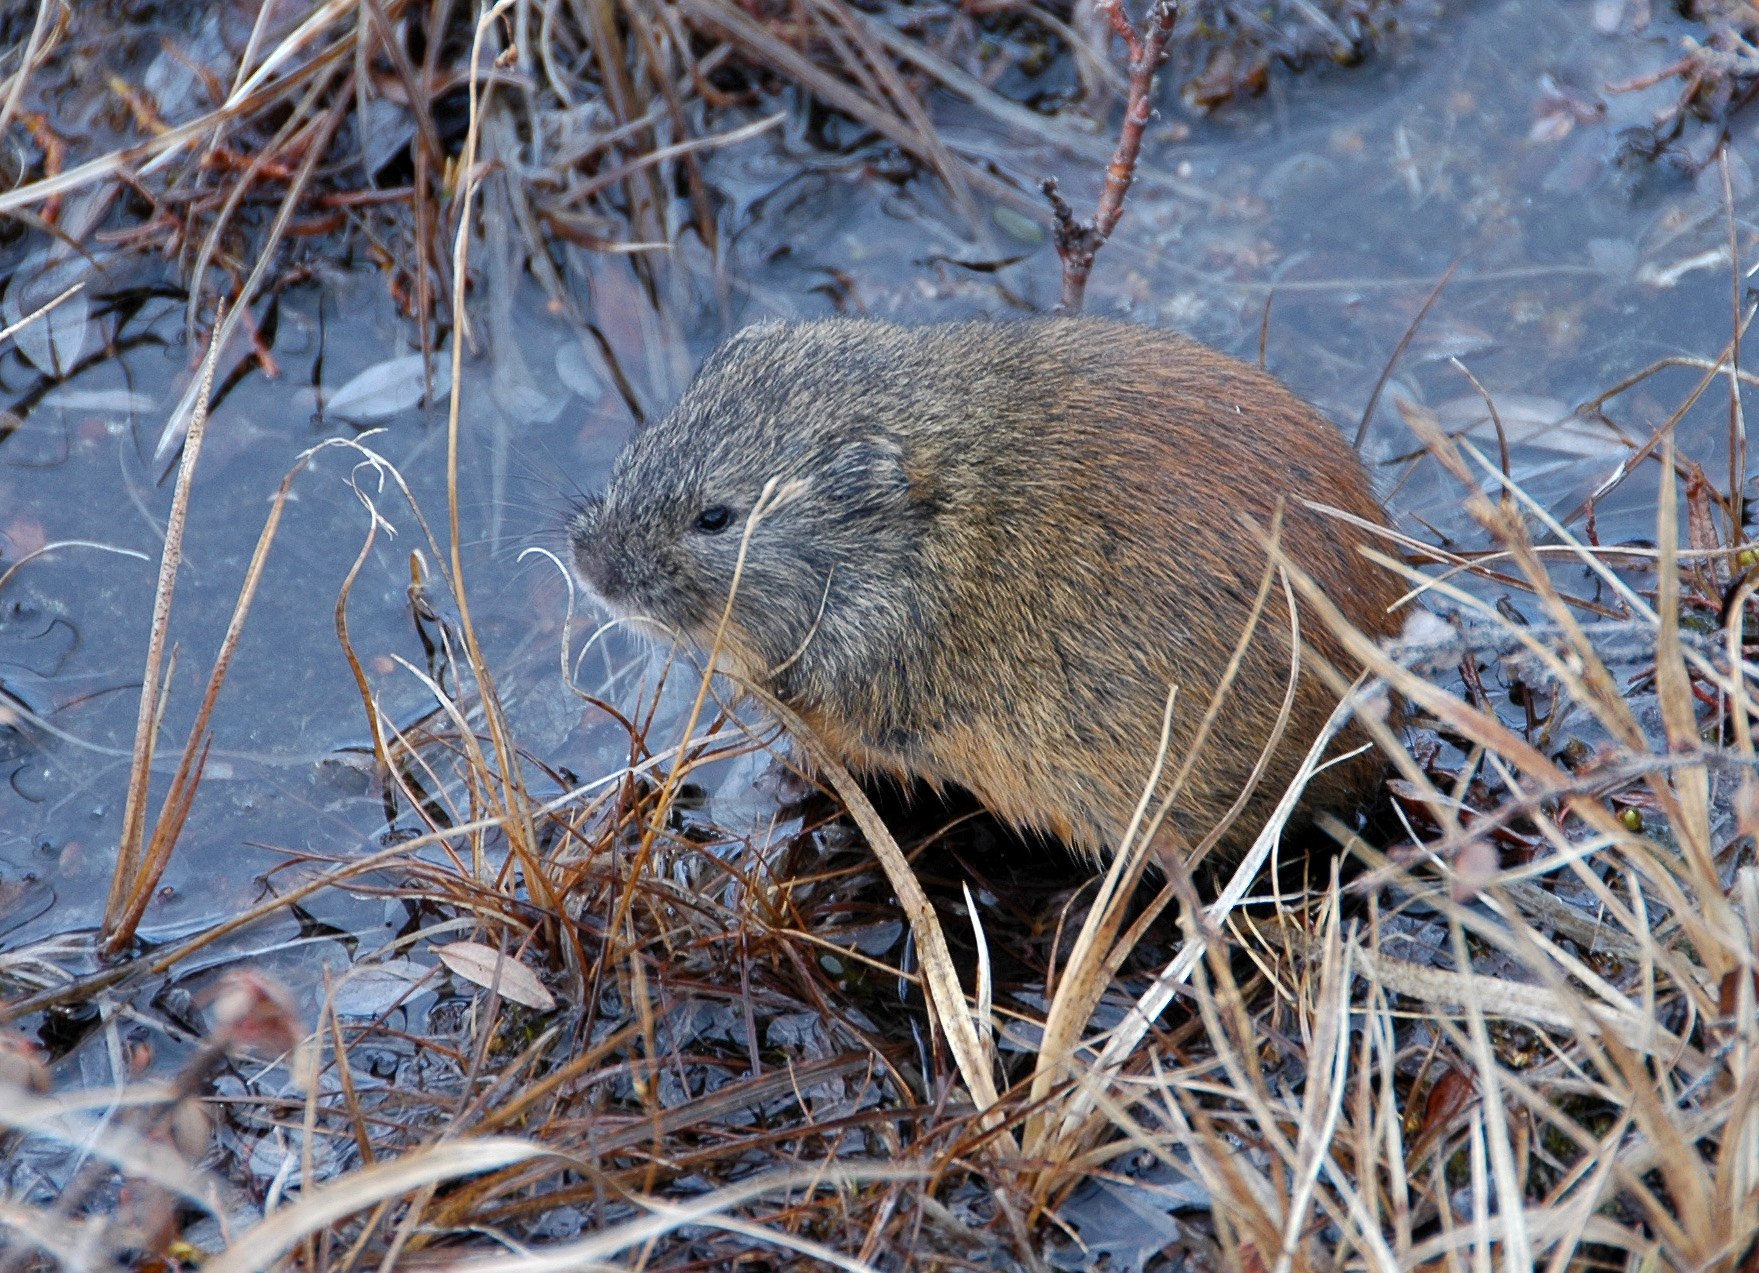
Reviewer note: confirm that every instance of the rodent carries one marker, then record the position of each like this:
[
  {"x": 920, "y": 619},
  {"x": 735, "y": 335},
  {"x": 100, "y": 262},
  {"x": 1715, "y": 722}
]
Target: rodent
[{"x": 997, "y": 546}]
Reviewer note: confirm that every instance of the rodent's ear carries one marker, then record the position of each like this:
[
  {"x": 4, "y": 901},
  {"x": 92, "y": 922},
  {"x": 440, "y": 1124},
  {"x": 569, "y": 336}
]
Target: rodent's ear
[{"x": 871, "y": 470}]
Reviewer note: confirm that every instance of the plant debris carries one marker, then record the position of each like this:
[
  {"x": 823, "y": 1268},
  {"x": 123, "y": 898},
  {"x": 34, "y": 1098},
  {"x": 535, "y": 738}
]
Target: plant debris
[{"x": 1515, "y": 1023}]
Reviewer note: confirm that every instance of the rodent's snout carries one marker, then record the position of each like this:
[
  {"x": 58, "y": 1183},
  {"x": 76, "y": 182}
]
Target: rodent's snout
[{"x": 598, "y": 562}]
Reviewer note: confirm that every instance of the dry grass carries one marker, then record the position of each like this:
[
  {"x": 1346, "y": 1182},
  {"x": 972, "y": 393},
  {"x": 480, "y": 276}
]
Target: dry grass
[
  {"x": 1523, "y": 1036},
  {"x": 285, "y": 121}
]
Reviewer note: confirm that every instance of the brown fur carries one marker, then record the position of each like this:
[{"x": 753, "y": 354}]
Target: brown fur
[{"x": 1010, "y": 540}]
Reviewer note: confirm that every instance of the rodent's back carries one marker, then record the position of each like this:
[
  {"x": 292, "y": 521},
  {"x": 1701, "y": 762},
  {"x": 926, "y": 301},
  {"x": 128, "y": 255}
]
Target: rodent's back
[
  {"x": 1070, "y": 546},
  {"x": 1100, "y": 475}
]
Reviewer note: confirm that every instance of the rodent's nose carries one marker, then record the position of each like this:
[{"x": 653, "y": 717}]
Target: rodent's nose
[{"x": 594, "y": 560}]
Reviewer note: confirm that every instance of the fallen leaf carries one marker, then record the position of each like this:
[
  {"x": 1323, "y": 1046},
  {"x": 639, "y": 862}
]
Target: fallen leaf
[
  {"x": 385, "y": 389},
  {"x": 485, "y": 966},
  {"x": 372, "y": 989},
  {"x": 53, "y": 343}
]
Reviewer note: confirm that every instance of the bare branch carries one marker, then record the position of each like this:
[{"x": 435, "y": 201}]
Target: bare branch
[{"x": 1078, "y": 242}]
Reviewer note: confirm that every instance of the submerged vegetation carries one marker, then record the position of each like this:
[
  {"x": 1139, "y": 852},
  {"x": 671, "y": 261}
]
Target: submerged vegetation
[{"x": 1516, "y": 1026}]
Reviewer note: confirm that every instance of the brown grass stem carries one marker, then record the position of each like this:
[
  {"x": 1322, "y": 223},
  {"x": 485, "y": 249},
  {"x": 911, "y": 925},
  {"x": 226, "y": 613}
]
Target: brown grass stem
[
  {"x": 510, "y": 799},
  {"x": 129, "y": 847}
]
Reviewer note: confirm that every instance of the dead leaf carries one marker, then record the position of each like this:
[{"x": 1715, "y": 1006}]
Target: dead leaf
[
  {"x": 487, "y": 967},
  {"x": 385, "y": 389}
]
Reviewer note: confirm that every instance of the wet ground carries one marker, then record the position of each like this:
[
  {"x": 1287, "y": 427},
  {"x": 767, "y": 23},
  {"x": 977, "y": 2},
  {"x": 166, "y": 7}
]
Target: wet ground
[{"x": 1338, "y": 200}]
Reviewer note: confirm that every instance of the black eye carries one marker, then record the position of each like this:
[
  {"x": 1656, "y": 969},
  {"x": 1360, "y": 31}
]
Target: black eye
[{"x": 714, "y": 519}]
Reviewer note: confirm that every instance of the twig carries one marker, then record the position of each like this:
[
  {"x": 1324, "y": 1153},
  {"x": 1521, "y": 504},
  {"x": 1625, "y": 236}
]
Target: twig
[
  {"x": 1737, "y": 419},
  {"x": 1078, "y": 242},
  {"x": 1386, "y": 372},
  {"x": 1502, "y": 435}
]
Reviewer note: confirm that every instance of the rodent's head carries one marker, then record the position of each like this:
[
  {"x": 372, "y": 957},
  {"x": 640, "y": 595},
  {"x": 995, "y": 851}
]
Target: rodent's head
[{"x": 796, "y": 410}]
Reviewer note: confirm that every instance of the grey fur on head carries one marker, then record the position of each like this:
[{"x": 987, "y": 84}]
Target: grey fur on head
[{"x": 664, "y": 540}]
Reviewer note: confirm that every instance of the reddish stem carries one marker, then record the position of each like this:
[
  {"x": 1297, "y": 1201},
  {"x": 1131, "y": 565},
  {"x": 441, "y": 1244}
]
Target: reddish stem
[{"x": 1079, "y": 241}]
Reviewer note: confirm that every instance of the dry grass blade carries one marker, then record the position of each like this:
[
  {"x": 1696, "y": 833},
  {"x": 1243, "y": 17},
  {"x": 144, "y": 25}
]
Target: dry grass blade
[
  {"x": 227, "y": 320},
  {"x": 1517, "y": 1248},
  {"x": 34, "y": 48},
  {"x": 1124, "y": 1040},
  {"x": 991, "y": 103},
  {"x": 324, "y": 16},
  {"x": 1323, "y": 1107},
  {"x": 735, "y": 24},
  {"x": 151, "y": 864},
  {"x": 375, "y": 725},
  {"x": 7, "y": 574},
  {"x": 1098, "y": 953},
  {"x": 708, "y": 1210},
  {"x": 166, "y": 958},
  {"x": 1612, "y": 1031},
  {"x": 144, "y": 156},
  {"x": 91, "y": 1126},
  {"x": 510, "y": 797},
  {"x": 1673, "y": 685},
  {"x": 40, "y": 311},
  {"x": 268, "y": 1240},
  {"x": 1392, "y": 361},
  {"x": 1087, "y": 975},
  {"x": 975, "y": 1060},
  {"x": 1712, "y": 372},
  {"x": 622, "y": 172},
  {"x": 124, "y": 878},
  {"x": 1557, "y": 1008},
  {"x": 1737, "y": 412}
]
